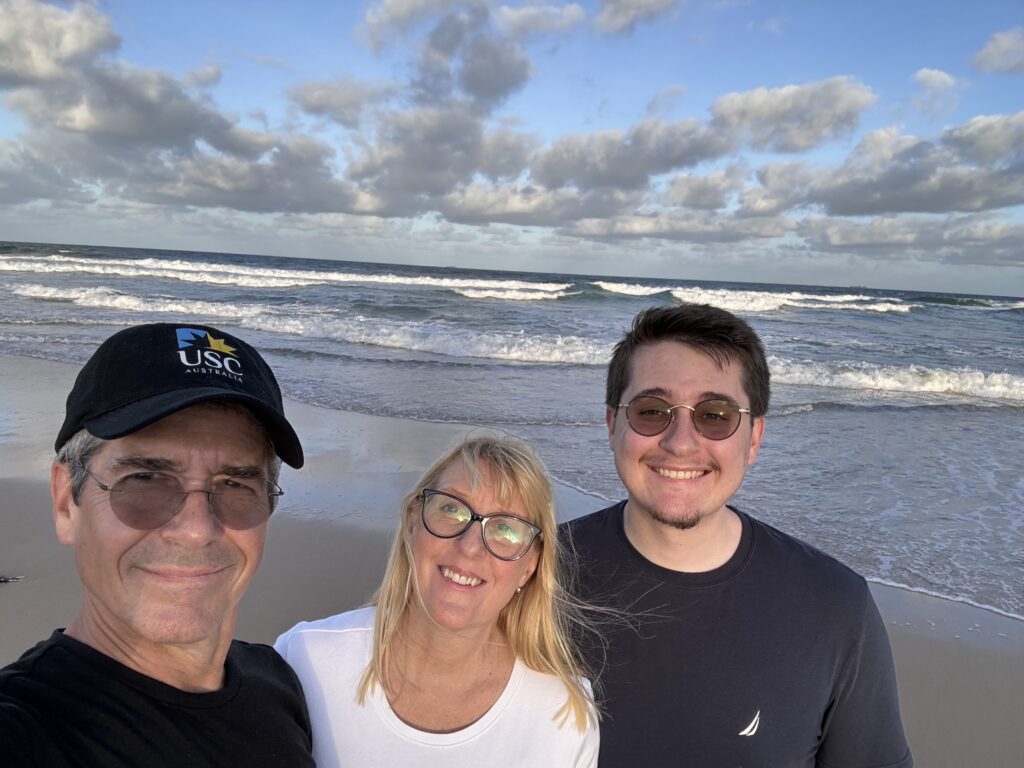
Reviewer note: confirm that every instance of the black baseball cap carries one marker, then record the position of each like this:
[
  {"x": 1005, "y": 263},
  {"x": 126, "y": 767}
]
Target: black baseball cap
[{"x": 146, "y": 372}]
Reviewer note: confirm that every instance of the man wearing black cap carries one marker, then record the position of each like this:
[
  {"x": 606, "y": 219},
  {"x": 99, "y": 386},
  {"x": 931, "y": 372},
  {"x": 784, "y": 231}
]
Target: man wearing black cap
[{"x": 165, "y": 477}]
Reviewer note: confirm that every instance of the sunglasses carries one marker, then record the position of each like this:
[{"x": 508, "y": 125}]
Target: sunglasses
[
  {"x": 507, "y": 537},
  {"x": 149, "y": 500},
  {"x": 715, "y": 419}
]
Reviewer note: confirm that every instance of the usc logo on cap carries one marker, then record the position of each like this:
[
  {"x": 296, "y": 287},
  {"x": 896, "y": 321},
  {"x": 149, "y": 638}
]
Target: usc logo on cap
[{"x": 218, "y": 355}]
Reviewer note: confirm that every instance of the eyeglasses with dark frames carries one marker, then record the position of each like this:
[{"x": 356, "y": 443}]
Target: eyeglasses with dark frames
[
  {"x": 715, "y": 418},
  {"x": 447, "y": 516},
  {"x": 147, "y": 500}
]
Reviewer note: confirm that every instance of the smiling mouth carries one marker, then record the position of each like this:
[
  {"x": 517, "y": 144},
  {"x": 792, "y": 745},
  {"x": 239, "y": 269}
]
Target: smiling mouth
[
  {"x": 458, "y": 578},
  {"x": 673, "y": 474},
  {"x": 184, "y": 576}
]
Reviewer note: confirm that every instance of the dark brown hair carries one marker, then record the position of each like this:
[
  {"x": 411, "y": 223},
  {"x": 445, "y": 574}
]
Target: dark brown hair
[{"x": 717, "y": 333}]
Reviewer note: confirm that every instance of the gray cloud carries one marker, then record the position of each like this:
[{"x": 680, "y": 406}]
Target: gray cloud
[
  {"x": 622, "y": 15},
  {"x": 342, "y": 100},
  {"x": 974, "y": 239},
  {"x": 421, "y": 154},
  {"x": 627, "y": 160},
  {"x": 1004, "y": 52},
  {"x": 711, "y": 191},
  {"x": 492, "y": 69},
  {"x": 665, "y": 100},
  {"x": 794, "y": 118}
]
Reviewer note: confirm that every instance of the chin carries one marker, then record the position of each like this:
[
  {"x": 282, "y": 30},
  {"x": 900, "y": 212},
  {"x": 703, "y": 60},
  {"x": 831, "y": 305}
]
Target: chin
[{"x": 683, "y": 521}]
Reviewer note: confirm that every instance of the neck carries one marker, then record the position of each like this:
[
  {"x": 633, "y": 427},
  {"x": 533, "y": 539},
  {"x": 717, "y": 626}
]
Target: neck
[
  {"x": 703, "y": 547},
  {"x": 424, "y": 649},
  {"x": 195, "y": 667}
]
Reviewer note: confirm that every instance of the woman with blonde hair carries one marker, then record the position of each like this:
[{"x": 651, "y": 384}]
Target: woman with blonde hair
[{"x": 465, "y": 653}]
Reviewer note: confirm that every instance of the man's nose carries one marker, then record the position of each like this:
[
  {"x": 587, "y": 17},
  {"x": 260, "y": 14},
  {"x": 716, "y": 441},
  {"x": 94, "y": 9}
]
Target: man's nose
[
  {"x": 195, "y": 522},
  {"x": 680, "y": 436}
]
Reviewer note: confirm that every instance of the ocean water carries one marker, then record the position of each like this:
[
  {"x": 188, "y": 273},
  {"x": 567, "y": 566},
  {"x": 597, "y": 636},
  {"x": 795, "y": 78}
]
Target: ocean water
[{"x": 894, "y": 439}]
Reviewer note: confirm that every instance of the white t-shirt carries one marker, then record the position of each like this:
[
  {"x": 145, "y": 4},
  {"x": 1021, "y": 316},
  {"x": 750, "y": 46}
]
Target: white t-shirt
[{"x": 330, "y": 656}]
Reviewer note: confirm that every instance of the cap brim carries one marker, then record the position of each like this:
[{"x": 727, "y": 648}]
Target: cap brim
[{"x": 133, "y": 417}]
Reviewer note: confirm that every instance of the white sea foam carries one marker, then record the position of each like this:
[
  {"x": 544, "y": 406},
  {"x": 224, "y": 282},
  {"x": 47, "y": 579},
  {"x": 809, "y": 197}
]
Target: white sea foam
[
  {"x": 451, "y": 341},
  {"x": 509, "y": 295},
  {"x": 629, "y": 289},
  {"x": 955, "y": 598},
  {"x": 108, "y": 298},
  {"x": 250, "y": 277},
  {"x": 912, "y": 379},
  {"x": 431, "y": 337}
]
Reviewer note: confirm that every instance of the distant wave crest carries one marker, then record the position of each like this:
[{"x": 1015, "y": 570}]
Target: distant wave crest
[
  {"x": 913, "y": 379},
  {"x": 250, "y": 277}
]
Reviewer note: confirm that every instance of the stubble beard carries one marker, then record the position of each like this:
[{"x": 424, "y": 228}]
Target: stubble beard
[{"x": 682, "y": 523}]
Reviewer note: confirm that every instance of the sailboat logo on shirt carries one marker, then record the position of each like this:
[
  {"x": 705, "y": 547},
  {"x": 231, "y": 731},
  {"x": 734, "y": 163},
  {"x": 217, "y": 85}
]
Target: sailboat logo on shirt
[{"x": 751, "y": 729}]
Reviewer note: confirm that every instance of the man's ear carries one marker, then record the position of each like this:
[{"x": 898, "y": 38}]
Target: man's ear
[
  {"x": 65, "y": 510},
  {"x": 609, "y": 420}
]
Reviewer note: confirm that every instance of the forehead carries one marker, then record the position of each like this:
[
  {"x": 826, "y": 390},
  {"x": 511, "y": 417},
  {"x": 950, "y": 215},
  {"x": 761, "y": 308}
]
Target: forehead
[
  {"x": 483, "y": 487},
  {"x": 210, "y": 428},
  {"x": 682, "y": 370}
]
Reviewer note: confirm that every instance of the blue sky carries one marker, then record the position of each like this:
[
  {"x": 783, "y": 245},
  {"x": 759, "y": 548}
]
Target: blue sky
[{"x": 862, "y": 143}]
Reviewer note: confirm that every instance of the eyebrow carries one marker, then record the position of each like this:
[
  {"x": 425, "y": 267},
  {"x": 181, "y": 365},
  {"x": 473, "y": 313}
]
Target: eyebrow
[
  {"x": 664, "y": 395},
  {"x": 154, "y": 464},
  {"x": 452, "y": 492}
]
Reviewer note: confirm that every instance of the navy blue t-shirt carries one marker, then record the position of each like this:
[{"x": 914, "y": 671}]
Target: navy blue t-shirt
[{"x": 777, "y": 659}]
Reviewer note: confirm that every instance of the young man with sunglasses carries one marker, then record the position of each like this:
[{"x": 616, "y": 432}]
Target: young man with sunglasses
[
  {"x": 164, "y": 481},
  {"x": 740, "y": 645}
]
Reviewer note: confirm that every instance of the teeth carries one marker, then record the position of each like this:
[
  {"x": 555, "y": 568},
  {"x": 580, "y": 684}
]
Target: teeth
[
  {"x": 674, "y": 475},
  {"x": 466, "y": 581}
]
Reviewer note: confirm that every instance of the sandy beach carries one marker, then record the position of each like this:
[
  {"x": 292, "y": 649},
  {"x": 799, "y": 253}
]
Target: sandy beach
[{"x": 960, "y": 668}]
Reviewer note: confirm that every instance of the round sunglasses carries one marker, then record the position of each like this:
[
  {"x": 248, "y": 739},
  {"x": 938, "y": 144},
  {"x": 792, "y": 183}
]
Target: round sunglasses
[{"x": 715, "y": 419}]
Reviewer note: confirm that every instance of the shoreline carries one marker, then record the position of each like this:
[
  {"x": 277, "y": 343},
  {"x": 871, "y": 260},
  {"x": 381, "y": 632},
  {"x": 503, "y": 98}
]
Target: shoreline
[{"x": 960, "y": 667}]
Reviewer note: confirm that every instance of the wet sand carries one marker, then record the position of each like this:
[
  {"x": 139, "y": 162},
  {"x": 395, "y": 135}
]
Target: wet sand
[{"x": 960, "y": 668}]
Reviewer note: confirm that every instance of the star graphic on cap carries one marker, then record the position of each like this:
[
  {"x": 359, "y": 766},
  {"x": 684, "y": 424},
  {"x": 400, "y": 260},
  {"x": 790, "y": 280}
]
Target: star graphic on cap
[{"x": 220, "y": 345}]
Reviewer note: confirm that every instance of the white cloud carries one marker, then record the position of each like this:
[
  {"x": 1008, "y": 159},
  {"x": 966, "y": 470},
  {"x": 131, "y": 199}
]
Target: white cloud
[
  {"x": 1004, "y": 52},
  {"x": 795, "y": 117},
  {"x": 386, "y": 16},
  {"x": 529, "y": 20},
  {"x": 936, "y": 95},
  {"x": 40, "y": 42},
  {"x": 622, "y": 15}
]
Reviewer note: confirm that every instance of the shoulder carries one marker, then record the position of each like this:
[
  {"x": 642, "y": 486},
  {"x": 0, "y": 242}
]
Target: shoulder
[
  {"x": 354, "y": 626},
  {"x": 805, "y": 568},
  {"x": 600, "y": 526},
  {"x": 35, "y": 662}
]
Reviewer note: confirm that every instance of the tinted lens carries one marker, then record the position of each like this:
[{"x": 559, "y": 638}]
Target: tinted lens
[
  {"x": 507, "y": 537},
  {"x": 648, "y": 415},
  {"x": 149, "y": 500},
  {"x": 716, "y": 419}
]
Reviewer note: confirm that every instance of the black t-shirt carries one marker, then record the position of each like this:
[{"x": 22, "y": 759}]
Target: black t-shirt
[
  {"x": 65, "y": 704},
  {"x": 777, "y": 659}
]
